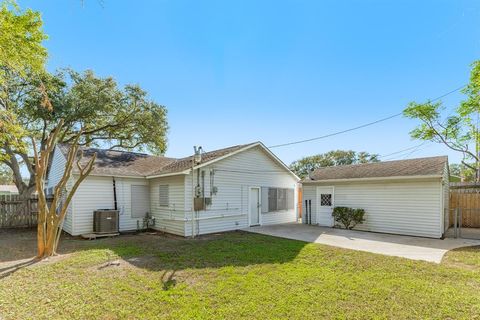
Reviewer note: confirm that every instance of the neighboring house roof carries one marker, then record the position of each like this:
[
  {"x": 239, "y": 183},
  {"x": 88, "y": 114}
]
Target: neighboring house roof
[
  {"x": 124, "y": 163},
  {"x": 8, "y": 188},
  {"x": 431, "y": 166}
]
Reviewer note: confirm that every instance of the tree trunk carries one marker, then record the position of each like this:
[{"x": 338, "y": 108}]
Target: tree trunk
[
  {"x": 50, "y": 217},
  {"x": 41, "y": 235}
]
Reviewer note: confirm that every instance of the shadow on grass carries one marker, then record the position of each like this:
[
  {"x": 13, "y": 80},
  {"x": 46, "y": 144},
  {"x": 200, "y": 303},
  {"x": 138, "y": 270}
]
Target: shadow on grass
[
  {"x": 465, "y": 258},
  {"x": 215, "y": 251},
  {"x": 12, "y": 268},
  {"x": 160, "y": 252}
]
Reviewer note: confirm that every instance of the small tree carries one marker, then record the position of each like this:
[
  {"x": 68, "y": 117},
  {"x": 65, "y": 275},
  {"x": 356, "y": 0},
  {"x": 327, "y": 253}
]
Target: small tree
[
  {"x": 348, "y": 217},
  {"x": 51, "y": 217},
  {"x": 460, "y": 131}
]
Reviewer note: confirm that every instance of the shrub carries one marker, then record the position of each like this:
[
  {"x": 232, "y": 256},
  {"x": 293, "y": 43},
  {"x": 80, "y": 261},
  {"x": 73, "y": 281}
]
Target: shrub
[{"x": 348, "y": 217}]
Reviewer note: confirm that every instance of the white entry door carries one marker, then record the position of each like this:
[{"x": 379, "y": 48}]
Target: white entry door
[
  {"x": 254, "y": 206},
  {"x": 325, "y": 204}
]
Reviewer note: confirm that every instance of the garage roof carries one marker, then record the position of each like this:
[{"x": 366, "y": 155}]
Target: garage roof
[{"x": 431, "y": 166}]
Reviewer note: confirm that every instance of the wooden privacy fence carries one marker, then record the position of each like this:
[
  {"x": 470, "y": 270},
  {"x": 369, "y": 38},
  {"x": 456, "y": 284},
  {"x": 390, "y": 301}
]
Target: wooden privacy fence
[
  {"x": 16, "y": 213},
  {"x": 465, "y": 196}
]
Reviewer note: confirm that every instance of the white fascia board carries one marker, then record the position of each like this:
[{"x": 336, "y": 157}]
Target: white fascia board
[
  {"x": 253, "y": 145},
  {"x": 111, "y": 176},
  {"x": 247, "y": 148},
  {"x": 169, "y": 174},
  {"x": 375, "y": 179}
]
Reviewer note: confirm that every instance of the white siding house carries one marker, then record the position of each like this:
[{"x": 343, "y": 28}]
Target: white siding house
[
  {"x": 236, "y": 187},
  {"x": 408, "y": 197}
]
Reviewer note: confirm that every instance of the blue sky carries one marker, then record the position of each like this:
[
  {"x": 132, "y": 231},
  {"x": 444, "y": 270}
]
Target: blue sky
[{"x": 232, "y": 72}]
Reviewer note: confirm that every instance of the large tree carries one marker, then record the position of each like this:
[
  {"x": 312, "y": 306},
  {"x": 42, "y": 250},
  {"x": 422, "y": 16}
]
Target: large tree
[
  {"x": 22, "y": 56},
  {"x": 458, "y": 131},
  {"x": 107, "y": 115},
  {"x": 332, "y": 158},
  {"x": 32, "y": 102}
]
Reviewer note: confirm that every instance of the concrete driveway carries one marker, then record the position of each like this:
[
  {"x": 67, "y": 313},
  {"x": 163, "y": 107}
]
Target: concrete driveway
[{"x": 415, "y": 248}]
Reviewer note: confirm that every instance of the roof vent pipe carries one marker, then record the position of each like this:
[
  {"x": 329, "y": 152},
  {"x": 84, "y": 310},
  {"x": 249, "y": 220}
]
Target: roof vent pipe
[
  {"x": 197, "y": 157},
  {"x": 310, "y": 173}
]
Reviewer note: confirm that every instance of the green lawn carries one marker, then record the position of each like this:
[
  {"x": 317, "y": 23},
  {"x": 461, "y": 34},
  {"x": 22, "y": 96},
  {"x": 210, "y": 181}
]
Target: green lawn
[{"x": 238, "y": 275}]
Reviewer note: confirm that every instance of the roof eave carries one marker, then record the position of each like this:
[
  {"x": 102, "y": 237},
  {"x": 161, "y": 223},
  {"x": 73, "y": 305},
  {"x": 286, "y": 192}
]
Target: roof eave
[
  {"x": 113, "y": 175},
  {"x": 256, "y": 144},
  {"x": 169, "y": 174}
]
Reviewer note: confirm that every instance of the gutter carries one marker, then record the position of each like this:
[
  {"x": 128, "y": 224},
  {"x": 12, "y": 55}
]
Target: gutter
[
  {"x": 186, "y": 172},
  {"x": 373, "y": 179}
]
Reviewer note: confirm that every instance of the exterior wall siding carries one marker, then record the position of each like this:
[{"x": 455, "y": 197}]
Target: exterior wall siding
[
  {"x": 94, "y": 193},
  {"x": 54, "y": 176},
  {"x": 97, "y": 193},
  {"x": 233, "y": 176},
  {"x": 402, "y": 207},
  {"x": 309, "y": 192},
  {"x": 169, "y": 219},
  {"x": 123, "y": 188}
]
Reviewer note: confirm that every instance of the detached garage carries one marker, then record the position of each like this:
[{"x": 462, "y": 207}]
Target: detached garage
[{"x": 408, "y": 197}]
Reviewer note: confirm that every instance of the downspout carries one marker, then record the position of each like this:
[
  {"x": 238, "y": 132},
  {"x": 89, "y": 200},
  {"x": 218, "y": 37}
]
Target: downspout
[
  {"x": 196, "y": 159},
  {"x": 115, "y": 205},
  {"x": 193, "y": 198}
]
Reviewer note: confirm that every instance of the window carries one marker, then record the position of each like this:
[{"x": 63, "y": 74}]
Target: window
[
  {"x": 277, "y": 199},
  {"x": 326, "y": 200},
  {"x": 163, "y": 199}
]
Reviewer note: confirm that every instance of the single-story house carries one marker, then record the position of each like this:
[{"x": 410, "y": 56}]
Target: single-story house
[
  {"x": 408, "y": 197},
  {"x": 229, "y": 189}
]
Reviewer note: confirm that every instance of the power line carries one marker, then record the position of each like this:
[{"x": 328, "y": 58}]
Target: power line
[
  {"x": 361, "y": 126},
  {"x": 336, "y": 133},
  {"x": 401, "y": 151},
  {"x": 407, "y": 153}
]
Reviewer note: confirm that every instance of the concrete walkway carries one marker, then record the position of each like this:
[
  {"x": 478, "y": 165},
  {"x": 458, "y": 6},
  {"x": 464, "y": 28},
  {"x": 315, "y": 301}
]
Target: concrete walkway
[{"x": 415, "y": 248}]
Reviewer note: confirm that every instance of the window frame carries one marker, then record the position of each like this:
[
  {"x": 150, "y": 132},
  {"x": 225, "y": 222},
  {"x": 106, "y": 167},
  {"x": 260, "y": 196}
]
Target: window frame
[
  {"x": 278, "y": 199},
  {"x": 166, "y": 196}
]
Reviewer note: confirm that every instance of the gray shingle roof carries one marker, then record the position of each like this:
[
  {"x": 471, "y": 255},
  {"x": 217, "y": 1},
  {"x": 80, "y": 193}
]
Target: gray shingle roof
[
  {"x": 183, "y": 164},
  {"x": 124, "y": 163},
  {"x": 431, "y": 166}
]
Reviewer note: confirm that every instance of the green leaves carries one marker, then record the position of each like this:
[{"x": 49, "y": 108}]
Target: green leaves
[
  {"x": 347, "y": 217},
  {"x": 10, "y": 134},
  {"x": 458, "y": 132},
  {"x": 124, "y": 118},
  {"x": 21, "y": 38}
]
